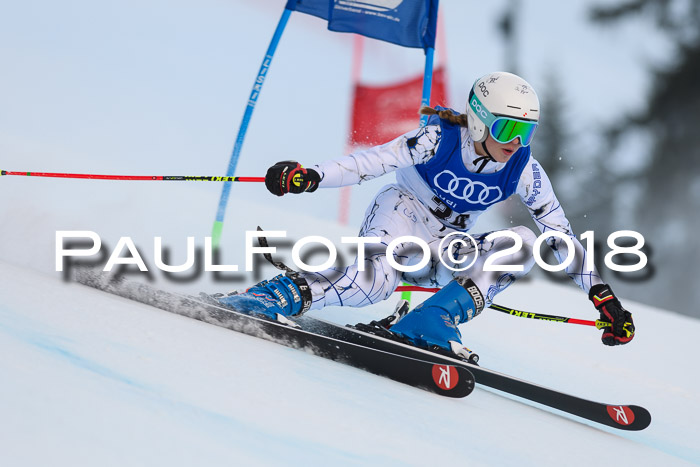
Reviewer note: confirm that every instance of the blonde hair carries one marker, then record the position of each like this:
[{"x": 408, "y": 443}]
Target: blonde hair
[{"x": 459, "y": 119}]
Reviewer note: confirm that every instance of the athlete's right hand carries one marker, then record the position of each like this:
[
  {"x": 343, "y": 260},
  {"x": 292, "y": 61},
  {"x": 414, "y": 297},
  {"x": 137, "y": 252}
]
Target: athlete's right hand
[{"x": 290, "y": 177}]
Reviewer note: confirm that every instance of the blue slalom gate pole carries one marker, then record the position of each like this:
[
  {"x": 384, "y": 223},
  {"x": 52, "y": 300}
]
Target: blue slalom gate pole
[
  {"x": 425, "y": 100},
  {"x": 252, "y": 100},
  {"x": 427, "y": 82}
]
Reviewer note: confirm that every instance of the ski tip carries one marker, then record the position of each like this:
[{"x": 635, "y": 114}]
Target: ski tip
[{"x": 628, "y": 417}]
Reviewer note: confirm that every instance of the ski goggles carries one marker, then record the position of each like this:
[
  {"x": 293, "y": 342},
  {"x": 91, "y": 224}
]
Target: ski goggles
[{"x": 504, "y": 129}]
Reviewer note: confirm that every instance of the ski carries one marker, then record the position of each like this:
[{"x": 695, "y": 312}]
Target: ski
[
  {"x": 621, "y": 416},
  {"x": 385, "y": 351},
  {"x": 437, "y": 377}
]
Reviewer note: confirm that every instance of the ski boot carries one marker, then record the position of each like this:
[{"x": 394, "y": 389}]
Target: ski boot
[
  {"x": 275, "y": 299},
  {"x": 433, "y": 324}
]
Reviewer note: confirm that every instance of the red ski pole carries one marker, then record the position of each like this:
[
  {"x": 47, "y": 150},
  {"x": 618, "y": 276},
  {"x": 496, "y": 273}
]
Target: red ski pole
[
  {"x": 599, "y": 324},
  {"x": 178, "y": 178}
]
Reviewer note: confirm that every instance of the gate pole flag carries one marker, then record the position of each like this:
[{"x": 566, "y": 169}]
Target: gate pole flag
[{"x": 408, "y": 23}]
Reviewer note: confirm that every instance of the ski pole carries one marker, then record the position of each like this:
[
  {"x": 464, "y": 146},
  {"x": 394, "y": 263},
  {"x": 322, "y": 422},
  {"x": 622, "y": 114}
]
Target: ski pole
[
  {"x": 599, "y": 324},
  {"x": 182, "y": 178},
  {"x": 415, "y": 288}
]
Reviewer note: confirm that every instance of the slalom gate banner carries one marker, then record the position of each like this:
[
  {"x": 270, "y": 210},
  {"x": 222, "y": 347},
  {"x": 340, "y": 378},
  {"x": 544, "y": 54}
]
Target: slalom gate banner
[
  {"x": 408, "y": 23},
  {"x": 382, "y": 113}
]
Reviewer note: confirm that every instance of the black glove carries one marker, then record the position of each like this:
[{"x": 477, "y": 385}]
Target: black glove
[
  {"x": 621, "y": 328},
  {"x": 290, "y": 177}
]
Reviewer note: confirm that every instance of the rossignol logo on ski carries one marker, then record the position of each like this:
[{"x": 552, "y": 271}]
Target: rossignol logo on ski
[
  {"x": 621, "y": 414},
  {"x": 445, "y": 376}
]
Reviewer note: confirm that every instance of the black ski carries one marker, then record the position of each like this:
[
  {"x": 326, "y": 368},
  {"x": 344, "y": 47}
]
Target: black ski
[
  {"x": 446, "y": 379},
  {"x": 624, "y": 417}
]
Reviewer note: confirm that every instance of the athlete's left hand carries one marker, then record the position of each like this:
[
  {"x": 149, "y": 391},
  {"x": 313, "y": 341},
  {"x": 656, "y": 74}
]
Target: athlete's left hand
[{"x": 621, "y": 328}]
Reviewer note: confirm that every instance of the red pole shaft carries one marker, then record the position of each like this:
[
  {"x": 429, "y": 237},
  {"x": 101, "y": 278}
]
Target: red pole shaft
[
  {"x": 415, "y": 288},
  {"x": 250, "y": 179},
  {"x": 581, "y": 321},
  {"x": 135, "y": 177},
  {"x": 87, "y": 176}
]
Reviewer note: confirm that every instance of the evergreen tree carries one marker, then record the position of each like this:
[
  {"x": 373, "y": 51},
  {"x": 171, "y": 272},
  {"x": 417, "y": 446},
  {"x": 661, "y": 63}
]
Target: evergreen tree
[
  {"x": 669, "y": 187},
  {"x": 550, "y": 146}
]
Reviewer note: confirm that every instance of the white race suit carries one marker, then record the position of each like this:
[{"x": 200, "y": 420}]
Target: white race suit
[{"x": 410, "y": 207}]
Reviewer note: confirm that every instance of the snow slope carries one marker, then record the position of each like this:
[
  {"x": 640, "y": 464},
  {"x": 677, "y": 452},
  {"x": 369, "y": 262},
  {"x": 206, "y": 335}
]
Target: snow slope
[
  {"x": 92, "y": 379},
  {"x": 100, "y": 380}
]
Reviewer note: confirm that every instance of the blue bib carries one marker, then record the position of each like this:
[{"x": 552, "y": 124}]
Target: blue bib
[{"x": 460, "y": 189}]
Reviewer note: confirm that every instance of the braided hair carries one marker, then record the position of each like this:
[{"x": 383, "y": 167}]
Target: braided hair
[{"x": 459, "y": 119}]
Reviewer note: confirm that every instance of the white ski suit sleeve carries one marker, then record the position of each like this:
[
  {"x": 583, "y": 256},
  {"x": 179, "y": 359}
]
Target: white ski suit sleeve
[
  {"x": 374, "y": 162},
  {"x": 536, "y": 192}
]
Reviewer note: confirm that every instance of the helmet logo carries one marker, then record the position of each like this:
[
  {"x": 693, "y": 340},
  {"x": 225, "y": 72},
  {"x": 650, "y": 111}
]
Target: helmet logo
[
  {"x": 483, "y": 89},
  {"x": 479, "y": 109}
]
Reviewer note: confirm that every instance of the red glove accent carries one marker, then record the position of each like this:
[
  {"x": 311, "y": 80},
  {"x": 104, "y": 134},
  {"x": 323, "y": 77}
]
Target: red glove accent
[
  {"x": 290, "y": 177},
  {"x": 621, "y": 329}
]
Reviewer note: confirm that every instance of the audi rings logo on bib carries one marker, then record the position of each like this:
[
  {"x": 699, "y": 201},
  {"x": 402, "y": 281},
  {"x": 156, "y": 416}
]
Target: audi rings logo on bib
[{"x": 466, "y": 189}]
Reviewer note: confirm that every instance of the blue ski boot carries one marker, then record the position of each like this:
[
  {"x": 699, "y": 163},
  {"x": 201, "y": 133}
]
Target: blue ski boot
[
  {"x": 433, "y": 323},
  {"x": 276, "y": 299}
]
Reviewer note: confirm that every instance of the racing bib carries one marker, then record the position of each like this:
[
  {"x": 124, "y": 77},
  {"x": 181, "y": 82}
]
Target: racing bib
[{"x": 464, "y": 191}]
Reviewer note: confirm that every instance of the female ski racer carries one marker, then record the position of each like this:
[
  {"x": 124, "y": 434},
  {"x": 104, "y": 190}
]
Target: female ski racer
[{"x": 447, "y": 174}]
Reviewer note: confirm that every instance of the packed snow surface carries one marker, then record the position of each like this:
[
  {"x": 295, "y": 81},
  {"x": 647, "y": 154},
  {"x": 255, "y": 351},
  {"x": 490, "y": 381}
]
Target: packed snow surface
[
  {"x": 159, "y": 88},
  {"x": 93, "y": 379}
]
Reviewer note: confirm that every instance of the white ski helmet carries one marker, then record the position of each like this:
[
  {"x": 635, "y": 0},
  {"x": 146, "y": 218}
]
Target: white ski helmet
[{"x": 504, "y": 103}]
